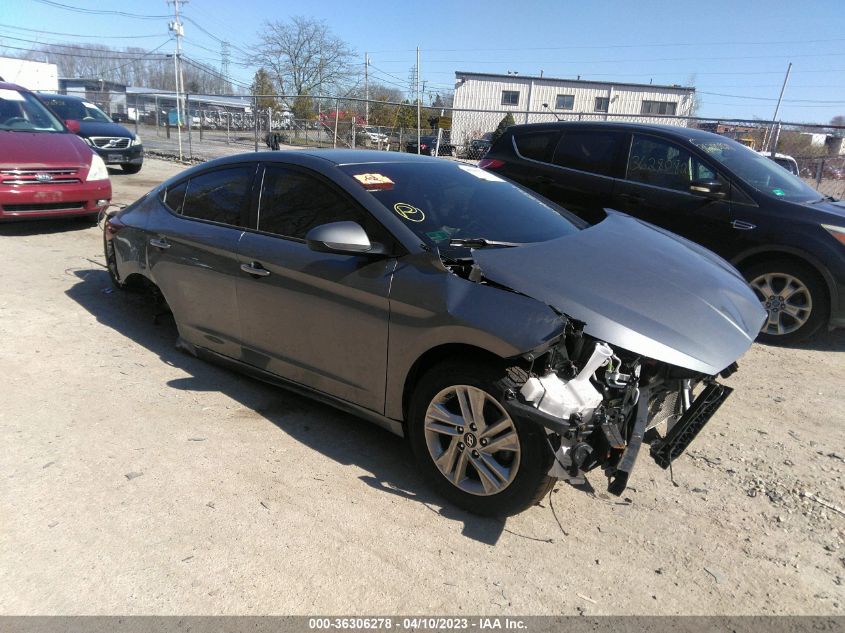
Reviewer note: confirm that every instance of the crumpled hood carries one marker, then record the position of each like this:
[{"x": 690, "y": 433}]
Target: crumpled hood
[
  {"x": 43, "y": 150},
  {"x": 643, "y": 290}
]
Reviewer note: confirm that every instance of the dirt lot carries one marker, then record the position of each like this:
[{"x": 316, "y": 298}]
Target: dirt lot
[{"x": 138, "y": 480}]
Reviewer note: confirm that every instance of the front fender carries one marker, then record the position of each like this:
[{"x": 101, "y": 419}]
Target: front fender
[{"x": 431, "y": 307}]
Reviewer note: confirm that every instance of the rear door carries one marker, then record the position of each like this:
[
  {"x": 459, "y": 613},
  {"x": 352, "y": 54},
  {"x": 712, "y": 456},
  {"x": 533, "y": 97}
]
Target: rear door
[
  {"x": 576, "y": 168},
  {"x": 656, "y": 188},
  {"x": 586, "y": 164},
  {"x": 317, "y": 319},
  {"x": 192, "y": 254}
]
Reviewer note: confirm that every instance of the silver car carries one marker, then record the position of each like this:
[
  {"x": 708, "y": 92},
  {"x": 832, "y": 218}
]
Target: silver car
[{"x": 510, "y": 342}]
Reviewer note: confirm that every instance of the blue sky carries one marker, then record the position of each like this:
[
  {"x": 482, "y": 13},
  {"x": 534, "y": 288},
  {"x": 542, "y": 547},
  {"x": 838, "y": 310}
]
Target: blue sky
[{"x": 735, "y": 53}]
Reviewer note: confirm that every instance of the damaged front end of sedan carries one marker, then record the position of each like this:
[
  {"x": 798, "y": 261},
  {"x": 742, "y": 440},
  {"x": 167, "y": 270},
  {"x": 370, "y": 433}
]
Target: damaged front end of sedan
[
  {"x": 598, "y": 405},
  {"x": 646, "y": 333}
]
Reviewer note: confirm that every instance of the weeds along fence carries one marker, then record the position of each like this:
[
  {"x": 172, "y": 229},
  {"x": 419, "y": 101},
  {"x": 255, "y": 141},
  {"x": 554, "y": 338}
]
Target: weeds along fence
[{"x": 202, "y": 127}]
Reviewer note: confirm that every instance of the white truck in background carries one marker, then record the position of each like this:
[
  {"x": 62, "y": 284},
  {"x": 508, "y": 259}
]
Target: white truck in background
[{"x": 36, "y": 76}]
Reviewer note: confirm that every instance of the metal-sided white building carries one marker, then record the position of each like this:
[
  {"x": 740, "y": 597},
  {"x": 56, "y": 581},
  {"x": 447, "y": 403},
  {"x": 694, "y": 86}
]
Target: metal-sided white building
[{"x": 539, "y": 99}]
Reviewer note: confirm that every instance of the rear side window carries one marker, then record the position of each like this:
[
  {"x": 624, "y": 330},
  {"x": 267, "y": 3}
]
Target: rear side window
[
  {"x": 535, "y": 145},
  {"x": 218, "y": 196},
  {"x": 585, "y": 150},
  {"x": 174, "y": 197},
  {"x": 293, "y": 202}
]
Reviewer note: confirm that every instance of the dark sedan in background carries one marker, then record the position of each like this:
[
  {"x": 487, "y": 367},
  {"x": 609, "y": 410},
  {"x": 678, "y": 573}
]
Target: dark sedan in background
[
  {"x": 428, "y": 145},
  {"x": 510, "y": 341},
  {"x": 786, "y": 238},
  {"x": 115, "y": 144}
]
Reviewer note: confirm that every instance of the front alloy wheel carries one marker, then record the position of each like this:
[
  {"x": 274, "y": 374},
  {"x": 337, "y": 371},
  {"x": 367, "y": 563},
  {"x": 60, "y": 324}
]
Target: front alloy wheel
[
  {"x": 468, "y": 446},
  {"x": 472, "y": 440},
  {"x": 794, "y": 298},
  {"x": 787, "y": 301}
]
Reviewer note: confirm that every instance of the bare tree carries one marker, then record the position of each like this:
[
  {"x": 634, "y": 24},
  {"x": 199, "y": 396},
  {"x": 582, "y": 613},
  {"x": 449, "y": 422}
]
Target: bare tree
[
  {"x": 305, "y": 57},
  {"x": 129, "y": 66}
]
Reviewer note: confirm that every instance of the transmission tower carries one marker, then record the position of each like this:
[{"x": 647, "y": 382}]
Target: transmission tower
[{"x": 225, "y": 55}]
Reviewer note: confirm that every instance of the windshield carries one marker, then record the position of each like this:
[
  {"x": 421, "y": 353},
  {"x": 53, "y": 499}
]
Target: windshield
[
  {"x": 71, "y": 109},
  {"x": 442, "y": 200},
  {"x": 23, "y": 112},
  {"x": 765, "y": 175}
]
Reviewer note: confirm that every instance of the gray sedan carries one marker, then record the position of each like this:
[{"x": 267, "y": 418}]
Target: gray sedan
[{"x": 510, "y": 342}]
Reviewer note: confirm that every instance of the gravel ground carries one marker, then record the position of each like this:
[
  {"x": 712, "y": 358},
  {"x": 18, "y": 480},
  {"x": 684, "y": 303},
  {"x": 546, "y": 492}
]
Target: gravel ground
[{"x": 139, "y": 480}]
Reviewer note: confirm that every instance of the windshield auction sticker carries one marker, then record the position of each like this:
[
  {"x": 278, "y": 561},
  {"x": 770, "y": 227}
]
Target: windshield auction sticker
[
  {"x": 374, "y": 181},
  {"x": 409, "y": 212}
]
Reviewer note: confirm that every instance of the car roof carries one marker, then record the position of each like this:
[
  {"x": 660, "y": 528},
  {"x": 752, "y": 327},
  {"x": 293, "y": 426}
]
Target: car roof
[
  {"x": 5, "y": 85},
  {"x": 352, "y": 156},
  {"x": 676, "y": 131},
  {"x": 53, "y": 95}
]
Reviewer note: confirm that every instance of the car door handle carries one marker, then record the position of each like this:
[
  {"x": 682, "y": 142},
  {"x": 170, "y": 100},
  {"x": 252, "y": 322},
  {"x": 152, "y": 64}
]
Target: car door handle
[
  {"x": 742, "y": 225},
  {"x": 162, "y": 244},
  {"x": 255, "y": 269}
]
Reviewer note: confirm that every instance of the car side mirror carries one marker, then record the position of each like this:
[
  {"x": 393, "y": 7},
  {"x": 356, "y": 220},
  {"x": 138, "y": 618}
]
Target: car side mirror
[
  {"x": 73, "y": 125},
  {"x": 342, "y": 238},
  {"x": 708, "y": 188}
]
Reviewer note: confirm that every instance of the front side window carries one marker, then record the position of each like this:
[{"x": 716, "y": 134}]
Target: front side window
[
  {"x": 659, "y": 107},
  {"x": 293, "y": 202},
  {"x": 535, "y": 145},
  {"x": 565, "y": 102},
  {"x": 510, "y": 97},
  {"x": 443, "y": 200},
  {"x": 602, "y": 104},
  {"x": 218, "y": 196},
  {"x": 757, "y": 171},
  {"x": 655, "y": 161},
  {"x": 593, "y": 151}
]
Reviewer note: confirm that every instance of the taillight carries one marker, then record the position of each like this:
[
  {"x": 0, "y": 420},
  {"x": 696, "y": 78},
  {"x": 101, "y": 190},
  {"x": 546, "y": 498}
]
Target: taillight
[
  {"x": 490, "y": 163},
  {"x": 423, "y": 146}
]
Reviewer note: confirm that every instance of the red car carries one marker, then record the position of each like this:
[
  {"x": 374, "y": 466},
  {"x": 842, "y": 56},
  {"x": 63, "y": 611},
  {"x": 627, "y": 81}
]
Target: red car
[{"x": 46, "y": 170}]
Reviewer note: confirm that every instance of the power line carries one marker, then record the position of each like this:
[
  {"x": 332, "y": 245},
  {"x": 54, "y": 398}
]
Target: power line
[
  {"x": 213, "y": 36},
  {"x": 78, "y": 47},
  {"x": 100, "y": 55},
  {"x": 618, "y": 61},
  {"x": 124, "y": 14},
  {"x": 162, "y": 45},
  {"x": 709, "y": 44},
  {"x": 95, "y": 36},
  {"x": 212, "y": 71},
  {"x": 720, "y": 94}
]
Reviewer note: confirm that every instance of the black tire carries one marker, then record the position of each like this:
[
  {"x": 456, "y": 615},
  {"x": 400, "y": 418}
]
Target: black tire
[
  {"x": 813, "y": 300},
  {"x": 131, "y": 168},
  {"x": 529, "y": 483}
]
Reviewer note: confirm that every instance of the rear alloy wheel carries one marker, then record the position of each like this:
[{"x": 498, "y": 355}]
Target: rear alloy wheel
[
  {"x": 794, "y": 298},
  {"x": 470, "y": 448}
]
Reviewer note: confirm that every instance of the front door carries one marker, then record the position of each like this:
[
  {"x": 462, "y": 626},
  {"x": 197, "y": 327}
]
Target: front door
[
  {"x": 317, "y": 319},
  {"x": 656, "y": 188}
]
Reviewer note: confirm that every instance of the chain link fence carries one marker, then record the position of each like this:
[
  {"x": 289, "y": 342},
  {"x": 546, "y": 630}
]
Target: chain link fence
[{"x": 202, "y": 127}]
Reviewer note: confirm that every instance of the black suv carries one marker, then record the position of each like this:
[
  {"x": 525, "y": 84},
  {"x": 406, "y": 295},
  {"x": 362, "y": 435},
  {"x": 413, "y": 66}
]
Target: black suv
[
  {"x": 786, "y": 238},
  {"x": 113, "y": 142}
]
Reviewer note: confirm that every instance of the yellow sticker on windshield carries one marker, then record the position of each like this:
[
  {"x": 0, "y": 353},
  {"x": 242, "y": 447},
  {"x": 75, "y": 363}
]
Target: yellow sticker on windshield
[
  {"x": 409, "y": 212},
  {"x": 374, "y": 181}
]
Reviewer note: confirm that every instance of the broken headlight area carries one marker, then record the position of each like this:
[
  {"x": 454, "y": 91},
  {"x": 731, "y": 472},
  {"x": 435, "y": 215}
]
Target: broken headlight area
[{"x": 598, "y": 405}]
